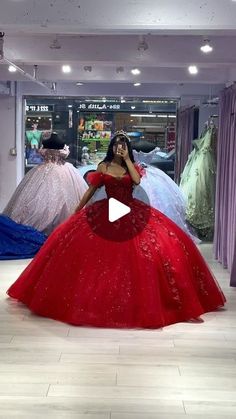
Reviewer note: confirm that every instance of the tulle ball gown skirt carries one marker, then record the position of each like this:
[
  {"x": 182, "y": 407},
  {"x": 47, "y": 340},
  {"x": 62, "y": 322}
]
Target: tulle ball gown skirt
[
  {"x": 84, "y": 277},
  {"x": 46, "y": 196},
  {"x": 18, "y": 241}
]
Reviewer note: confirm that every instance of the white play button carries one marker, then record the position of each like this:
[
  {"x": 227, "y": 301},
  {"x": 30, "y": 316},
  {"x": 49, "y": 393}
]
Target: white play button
[{"x": 117, "y": 210}]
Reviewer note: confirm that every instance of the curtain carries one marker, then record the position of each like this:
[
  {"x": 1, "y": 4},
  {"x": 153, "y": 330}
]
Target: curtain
[
  {"x": 225, "y": 217},
  {"x": 185, "y": 123}
]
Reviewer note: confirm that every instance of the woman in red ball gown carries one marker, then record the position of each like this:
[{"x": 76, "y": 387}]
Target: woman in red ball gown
[{"x": 139, "y": 271}]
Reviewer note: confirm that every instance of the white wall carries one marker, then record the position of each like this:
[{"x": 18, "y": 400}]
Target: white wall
[
  {"x": 190, "y": 92},
  {"x": 8, "y": 169}
]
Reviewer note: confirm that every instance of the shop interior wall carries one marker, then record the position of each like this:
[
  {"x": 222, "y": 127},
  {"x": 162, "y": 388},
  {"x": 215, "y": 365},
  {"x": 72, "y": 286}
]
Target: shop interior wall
[{"x": 8, "y": 177}]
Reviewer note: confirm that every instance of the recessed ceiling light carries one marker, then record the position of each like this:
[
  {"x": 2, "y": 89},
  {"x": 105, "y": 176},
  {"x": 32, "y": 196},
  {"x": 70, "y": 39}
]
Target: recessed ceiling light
[
  {"x": 206, "y": 47},
  {"x": 69, "y": 106},
  {"x": 166, "y": 116},
  {"x": 12, "y": 69},
  {"x": 193, "y": 69},
  {"x": 137, "y": 84},
  {"x": 79, "y": 83},
  {"x": 66, "y": 68},
  {"x": 133, "y": 107},
  {"x": 135, "y": 71}
]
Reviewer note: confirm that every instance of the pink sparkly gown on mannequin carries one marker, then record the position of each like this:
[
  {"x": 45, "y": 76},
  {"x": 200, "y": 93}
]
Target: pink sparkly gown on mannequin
[
  {"x": 139, "y": 271},
  {"x": 48, "y": 193}
]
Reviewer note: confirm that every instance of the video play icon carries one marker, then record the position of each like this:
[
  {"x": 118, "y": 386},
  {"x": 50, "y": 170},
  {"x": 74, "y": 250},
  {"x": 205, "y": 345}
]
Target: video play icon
[
  {"x": 117, "y": 210},
  {"x": 119, "y": 219}
]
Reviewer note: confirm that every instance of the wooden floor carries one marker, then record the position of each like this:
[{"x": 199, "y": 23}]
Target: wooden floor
[{"x": 53, "y": 370}]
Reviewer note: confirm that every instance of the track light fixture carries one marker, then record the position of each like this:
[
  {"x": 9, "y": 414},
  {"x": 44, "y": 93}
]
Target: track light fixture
[
  {"x": 142, "y": 45},
  {"x": 88, "y": 68},
  {"x": 206, "y": 47},
  {"x": 119, "y": 69}
]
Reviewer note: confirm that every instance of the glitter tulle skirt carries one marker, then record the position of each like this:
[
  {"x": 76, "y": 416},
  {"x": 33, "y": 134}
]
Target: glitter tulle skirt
[
  {"x": 46, "y": 196},
  {"x": 155, "y": 278}
]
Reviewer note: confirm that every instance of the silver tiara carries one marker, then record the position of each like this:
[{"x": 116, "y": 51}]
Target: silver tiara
[{"x": 121, "y": 132}]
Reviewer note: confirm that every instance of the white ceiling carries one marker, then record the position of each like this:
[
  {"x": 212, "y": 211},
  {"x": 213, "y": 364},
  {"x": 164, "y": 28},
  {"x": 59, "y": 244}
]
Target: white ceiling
[{"x": 105, "y": 34}]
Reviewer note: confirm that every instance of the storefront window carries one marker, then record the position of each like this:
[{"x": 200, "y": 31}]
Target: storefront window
[{"x": 87, "y": 125}]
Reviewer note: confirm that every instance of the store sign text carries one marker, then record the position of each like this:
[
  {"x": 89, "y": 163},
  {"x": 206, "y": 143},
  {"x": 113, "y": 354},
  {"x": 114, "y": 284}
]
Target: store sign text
[
  {"x": 38, "y": 108},
  {"x": 100, "y": 107}
]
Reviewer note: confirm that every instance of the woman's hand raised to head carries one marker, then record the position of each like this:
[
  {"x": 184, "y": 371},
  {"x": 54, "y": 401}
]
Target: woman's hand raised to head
[{"x": 124, "y": 153}]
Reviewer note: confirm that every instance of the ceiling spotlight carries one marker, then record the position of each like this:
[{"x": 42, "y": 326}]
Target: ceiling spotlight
[
  {"x": 70, "y": 106},
  {"x": 66, "y": 68},
  {"x": 137, "y": 84},
  {"x": 142, "y": 45},
  {"x": 133, "y": 107},
  {"x": 54, "y": 86},
  {"x": 104, "y": 99},
  {"x": 12, "y": 69},
  {"x": 193, "y": 69},
  {"x": 135, "y": 71},
  {"x": 122, "y": 100},
  {"x": 88, "y": 68},
  {"x": 206, "y": 47},
  {"x": 119, "y": 69},
  {"x": 79, "y": 83},
  {"x": 55, "y": 44}
]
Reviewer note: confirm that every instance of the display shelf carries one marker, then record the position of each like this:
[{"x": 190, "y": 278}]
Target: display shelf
[
  {"x": 87, "y": 140},
  {"x": 92, "y": 129}
]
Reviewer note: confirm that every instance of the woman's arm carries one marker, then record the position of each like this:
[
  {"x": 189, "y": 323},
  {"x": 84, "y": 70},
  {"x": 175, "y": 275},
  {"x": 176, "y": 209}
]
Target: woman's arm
[
  {"x": 90, "y": 191},
  {"x": 86, "y": 197},
  {"x": 131, "y": 167},
  {"x": 132, "y": 171}
]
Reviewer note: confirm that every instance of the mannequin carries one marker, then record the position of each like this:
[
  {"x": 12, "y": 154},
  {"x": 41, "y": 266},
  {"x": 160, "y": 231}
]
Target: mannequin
[
  {"x": 48, "y": 193},
  {"x": 34, "y": 137},
  {"x": 54, "y": 142}
]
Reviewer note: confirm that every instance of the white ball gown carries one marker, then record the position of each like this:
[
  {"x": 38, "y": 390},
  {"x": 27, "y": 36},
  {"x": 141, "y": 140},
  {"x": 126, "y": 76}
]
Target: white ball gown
[{"x": 48, "y": 194}]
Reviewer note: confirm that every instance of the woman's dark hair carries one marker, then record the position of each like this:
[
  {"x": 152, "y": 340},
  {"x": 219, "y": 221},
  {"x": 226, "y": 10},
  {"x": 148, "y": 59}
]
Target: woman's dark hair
[{"x": 110, "y": 154}]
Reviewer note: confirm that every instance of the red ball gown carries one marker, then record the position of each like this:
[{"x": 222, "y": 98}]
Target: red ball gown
[{"x": 141, "y": 271}]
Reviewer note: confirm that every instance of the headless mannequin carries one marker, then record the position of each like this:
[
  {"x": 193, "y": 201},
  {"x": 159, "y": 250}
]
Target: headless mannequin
[
  {"x": 54, "y": 142},
  {"x": 34, "y": 137},
  {"x": 143, "y": 145}
]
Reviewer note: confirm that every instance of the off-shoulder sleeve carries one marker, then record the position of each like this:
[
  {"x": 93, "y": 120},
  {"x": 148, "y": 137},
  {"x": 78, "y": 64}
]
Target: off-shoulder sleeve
[
  {"x": 95, "y": 179},
  {"x": 141, "y": 171}
]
